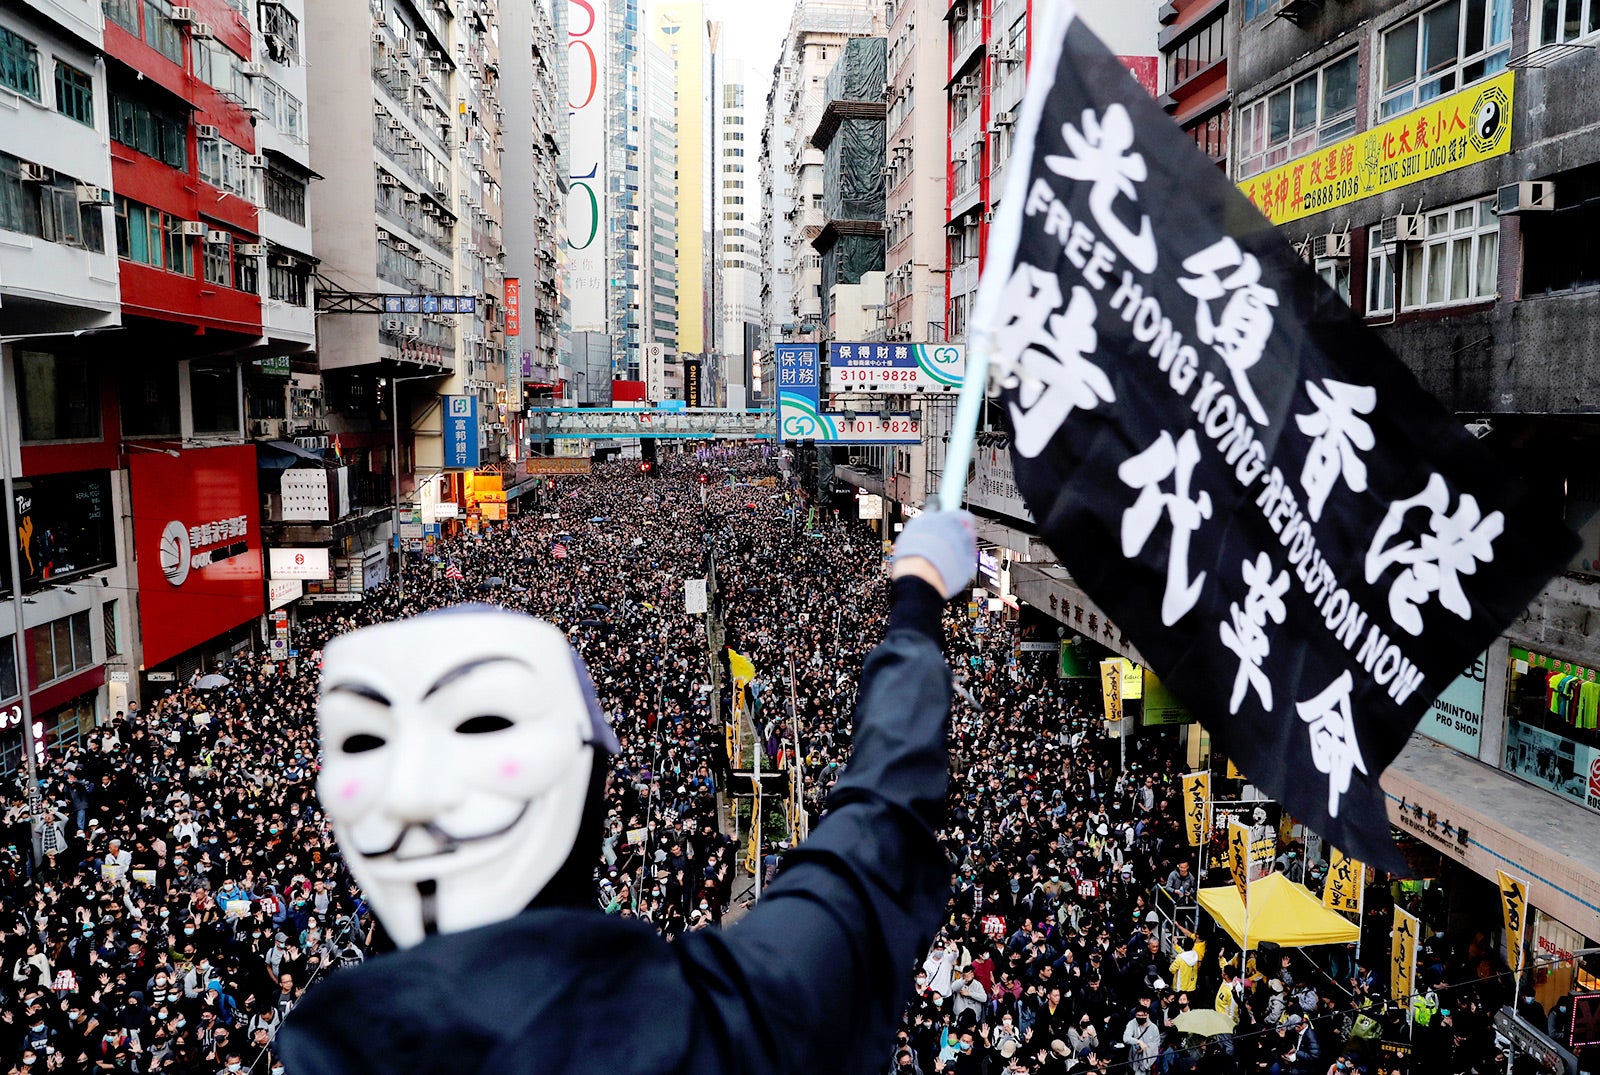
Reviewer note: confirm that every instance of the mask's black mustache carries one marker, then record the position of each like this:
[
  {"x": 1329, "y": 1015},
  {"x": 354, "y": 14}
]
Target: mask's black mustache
[
  {"x": 448, "y": 843},
  {"x": 429, "y": 893}
]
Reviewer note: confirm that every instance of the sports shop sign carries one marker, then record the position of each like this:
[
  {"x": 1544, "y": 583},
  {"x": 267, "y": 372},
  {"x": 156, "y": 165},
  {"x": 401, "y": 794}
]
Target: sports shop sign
[{"x": 1329, "y": 546}]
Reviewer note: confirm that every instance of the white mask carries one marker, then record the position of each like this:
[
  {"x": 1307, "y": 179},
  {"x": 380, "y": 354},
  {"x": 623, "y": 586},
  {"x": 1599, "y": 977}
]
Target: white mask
[{"x": 457, "y": 752}]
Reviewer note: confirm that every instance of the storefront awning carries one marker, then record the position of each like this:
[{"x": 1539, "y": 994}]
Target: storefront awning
[
  {"x": 1281, "y": 912},
  {"x": 1489, "y": 820}
]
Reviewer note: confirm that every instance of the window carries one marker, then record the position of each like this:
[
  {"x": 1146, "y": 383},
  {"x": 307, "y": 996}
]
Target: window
[
  {"x": 48, "y": 211},
  {"x": 125, "y": 13},
  {"x": 113, "y": 634},
  {"x": 9, "y": 688},
  {"x": 288, "y": 284},
  {"x": 246, "y": 272},
  {"x": 150, "y": 398},
  {"x": 1335, "y": 272},
  {"x": 285, "y": 195},
  {"x": 1380, "y": 274},
  {"x": 222, "y": 70},
  {"x": 1458, "y": 261},
  {"x": 281, "y": 31},
  {"x": 1310, "y": 112},
  {"x": 1256, "y": 8},
  {"x": 160, "y": 32},
  {"x": 225, "y": 166},
  {"x": 1210, "y": 133},
  {"x": 19, "y": 64},
  {"x": 58, "y": 397},
  {"x": 214, "y": 395},
  {"x": 283, "y": 110},
  {"x": 1198, "y": 51},
  {"x": 63, "y": 527},
  {"x": 150, "y": 237},
  {"x": 74, "y": 94},
  {"x": 60, "y": 648},
  {"x": 150, "y": 130},
  {"x": 218, "y": 262},
  {"x": 1565, "y": 20},
  {"x": 1446, "y": 48}
]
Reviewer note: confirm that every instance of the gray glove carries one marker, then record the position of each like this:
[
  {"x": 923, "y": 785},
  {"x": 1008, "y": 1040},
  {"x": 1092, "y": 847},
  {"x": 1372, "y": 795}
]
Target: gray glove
[{"x": 948, "y": 540}]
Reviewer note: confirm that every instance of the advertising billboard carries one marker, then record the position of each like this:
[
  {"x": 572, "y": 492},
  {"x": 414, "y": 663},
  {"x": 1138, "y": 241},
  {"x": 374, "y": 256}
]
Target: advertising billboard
[
  {"x": 461, "y": 432},
  {"x": 586, "y": 189},
  {"x": 197, "y": 536},
  {"x": 513, "y": 306},
  {"x": 299, "y": 564},
  {"x": 896, "y": 367},
  {"x": 691, "y": 382},
  {"x": 800, "y": 413}
]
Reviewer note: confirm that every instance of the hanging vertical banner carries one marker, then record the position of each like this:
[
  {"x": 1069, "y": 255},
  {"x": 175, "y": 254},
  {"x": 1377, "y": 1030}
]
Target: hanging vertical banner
[
  {"x": 460, "y": 432},
  {"x": 1342, "y": 890},
  {"x": 513, "y": 306},
  {"x": 1196, "y": 797},
  {"x": 1301, "y": 542},
  {"x": 584, "y": 275},
  {"x": 693, "y": 392},
  {"x": 1514, "y": 905},
  {"x": 1403, "y": 955},
  {"x": 1111, "y": 689},
  {"x": 1239, "y": 857}
]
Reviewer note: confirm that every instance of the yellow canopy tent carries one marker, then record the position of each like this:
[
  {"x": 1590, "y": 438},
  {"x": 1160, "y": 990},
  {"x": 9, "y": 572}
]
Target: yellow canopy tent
[{"x": 1280, "y": 911}]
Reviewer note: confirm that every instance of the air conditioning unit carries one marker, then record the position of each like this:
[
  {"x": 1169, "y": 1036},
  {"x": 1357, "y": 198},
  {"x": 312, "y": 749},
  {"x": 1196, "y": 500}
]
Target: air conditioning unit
[
  {"x": 435, "y": 56},
  {"x": 392, "y": 324},
  {"x": 1535, "y": 196},
  {"x": 182, "y": 14},
  {"x": 255, "y": 70},
  {"x": 214, "y": 237},
  {"x": 250, "y": 250},
  {"x": 379, "y": 37},
  {"x": 1005, "y": 119},
  {"x": 388, "y": 180},
  {"x": 1404, "y": 228},
  {"x": 33, "y": 173},
  {"x": 967, "y": 82},
  {"x": 195, "y": 229},
  {"x": 410, "y": 198},
  {"x": 1006, "y": 56},
  {"x": 412, "y": 330},
  {"x": 1333, "y": 245},
  {"x": 258, "y": 160},
  {"x": 204, "y": 130},
  {"x": 270, "y": 428},
  {"x": 91, "y": 195}
]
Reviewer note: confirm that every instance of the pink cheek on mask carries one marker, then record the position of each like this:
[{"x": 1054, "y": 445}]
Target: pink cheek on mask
[
  {"x": 351, "y": 789},
  {"x": 510, "y": 769}
]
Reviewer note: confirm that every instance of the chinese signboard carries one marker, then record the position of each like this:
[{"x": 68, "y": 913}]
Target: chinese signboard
[
  {"x": 460, "y": 432},
  {"x": 1342, "y": 890},
  {"x": 513, "y": 306},
  {"x": 538, "y": 466},
  {"x": 298, "y": 564},
  {"x": 430, "y": 304},
  {"x": 199, "y": 546},
  {"x": 1443, "y": 135},
  {"x": 994, "y": 484},
  {"x": 896, "y": 367},
  {"x": 1300, "y": 541},
  {"x": 1196, "y": 797},
  {"x": 800, "y": 414}
]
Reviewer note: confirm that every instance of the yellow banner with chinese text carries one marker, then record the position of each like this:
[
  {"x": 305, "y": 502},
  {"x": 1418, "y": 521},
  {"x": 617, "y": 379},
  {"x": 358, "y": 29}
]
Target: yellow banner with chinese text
[
  {"x": 1196, "y": 798},
  {"x": 1440, "y": 136},
  {"x": 1342, "y": 892}
]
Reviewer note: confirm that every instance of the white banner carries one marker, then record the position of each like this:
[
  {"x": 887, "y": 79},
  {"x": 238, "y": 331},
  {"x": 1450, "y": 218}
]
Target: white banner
[
  {"x": 695, "y": 600},
  {"x": 305, "y": 564}
]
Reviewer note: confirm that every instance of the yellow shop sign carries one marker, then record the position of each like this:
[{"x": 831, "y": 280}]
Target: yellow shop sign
[{"x": 1441, "y": 136}]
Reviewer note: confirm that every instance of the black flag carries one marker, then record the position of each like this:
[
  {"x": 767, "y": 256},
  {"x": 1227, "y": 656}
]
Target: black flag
[{"x": 1304, "y": 545}]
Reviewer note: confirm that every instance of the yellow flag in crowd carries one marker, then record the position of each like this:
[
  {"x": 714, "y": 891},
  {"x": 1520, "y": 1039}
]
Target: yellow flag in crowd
[
  {"x": 741, "y": 666},
  {"x": 1403, "y": 955},
  {"x": 1111, "y": 688},
  {"x": 1342, "y": 891},
  {"x": 1514, "y": 903},
  {"x": 1196, "y": 797},
  {"x": 1239, "y": 856}
]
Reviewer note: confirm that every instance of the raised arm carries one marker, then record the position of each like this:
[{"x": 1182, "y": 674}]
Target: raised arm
[{"x": 816, "y": 976}]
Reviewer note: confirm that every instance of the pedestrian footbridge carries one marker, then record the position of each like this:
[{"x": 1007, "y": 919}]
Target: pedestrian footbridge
[{"x": 596, "y": 423}]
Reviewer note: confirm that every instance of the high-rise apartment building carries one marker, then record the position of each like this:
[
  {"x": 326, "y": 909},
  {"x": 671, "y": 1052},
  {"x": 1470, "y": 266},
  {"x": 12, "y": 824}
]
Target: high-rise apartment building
[
  {"x": 681, "y": 29},
  {"x": 663, "y": 375},
  {"x": 738, "y": 206},
  {"x": 535, "y": 184},
  {"x": 792, "y": 168},
  {"x": 625, "y": 267}
]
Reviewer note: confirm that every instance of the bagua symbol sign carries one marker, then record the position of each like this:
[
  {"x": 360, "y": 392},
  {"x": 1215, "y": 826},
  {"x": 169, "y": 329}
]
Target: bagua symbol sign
[{"x": 1329, "y": 546}]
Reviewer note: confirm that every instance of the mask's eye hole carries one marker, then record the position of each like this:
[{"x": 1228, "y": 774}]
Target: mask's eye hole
[
  {"x": 360, "y": 743},
  {"x": 484, "y": 725}
]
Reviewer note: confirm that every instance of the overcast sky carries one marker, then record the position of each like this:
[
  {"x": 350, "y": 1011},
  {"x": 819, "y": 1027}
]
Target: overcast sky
[{"x": 753, "y": 30}]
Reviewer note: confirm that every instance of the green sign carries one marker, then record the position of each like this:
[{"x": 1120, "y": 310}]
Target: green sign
[
  {"x": 276, "y": 366},
  {"x": 1161, "y": 707}
]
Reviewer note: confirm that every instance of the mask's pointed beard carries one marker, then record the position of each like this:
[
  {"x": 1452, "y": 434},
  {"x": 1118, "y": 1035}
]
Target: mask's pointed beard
[{"x": 428, "y": 891}]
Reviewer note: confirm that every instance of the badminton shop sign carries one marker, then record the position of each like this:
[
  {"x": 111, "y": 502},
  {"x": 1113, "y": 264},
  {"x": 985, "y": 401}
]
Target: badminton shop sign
[{"x": 1305, "y": 546}]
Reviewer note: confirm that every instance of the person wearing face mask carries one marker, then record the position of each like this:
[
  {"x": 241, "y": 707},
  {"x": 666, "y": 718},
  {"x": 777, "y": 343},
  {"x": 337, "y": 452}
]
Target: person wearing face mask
[
  {"x": 1143, "y": 1039},
  {"x": 511, "y": 925}
]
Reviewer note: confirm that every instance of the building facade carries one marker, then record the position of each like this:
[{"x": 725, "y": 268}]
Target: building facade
[
  {"x": 1457, "y": 159},
  {"x": 663, "y": 375}
]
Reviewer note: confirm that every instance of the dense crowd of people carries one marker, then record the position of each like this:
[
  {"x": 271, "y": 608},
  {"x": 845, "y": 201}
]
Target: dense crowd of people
[{"x": 185, "y": 890}]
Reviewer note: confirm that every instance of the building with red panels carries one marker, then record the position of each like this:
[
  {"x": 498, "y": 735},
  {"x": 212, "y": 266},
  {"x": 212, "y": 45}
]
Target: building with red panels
[{"x": 1194, "y": 71}]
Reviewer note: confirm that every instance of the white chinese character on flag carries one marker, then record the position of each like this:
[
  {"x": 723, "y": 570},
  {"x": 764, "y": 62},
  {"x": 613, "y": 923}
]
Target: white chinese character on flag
[
  {"x": 1240, "y": 328},
  {"x": 1246, "y": 636},
  {"x": 1454, "y": 546},
  {"x": 1340, "y": 435},
  {"x": 1163, "y": 460},
  {"x": 1335, "y": 751},
  {"x": 1050, "y": 350},
  {"x": 1100, "y": 156}
]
